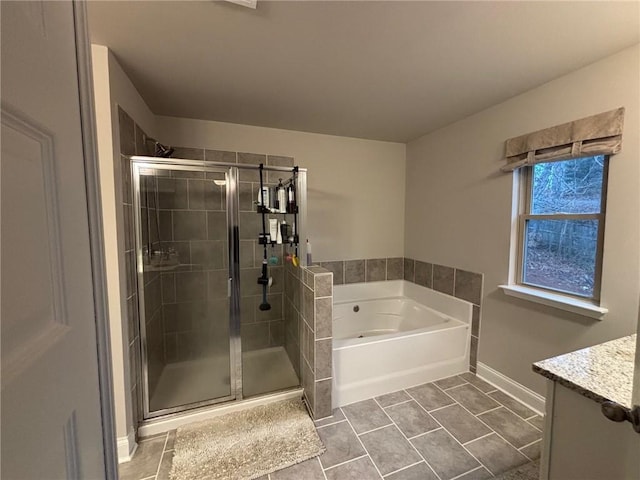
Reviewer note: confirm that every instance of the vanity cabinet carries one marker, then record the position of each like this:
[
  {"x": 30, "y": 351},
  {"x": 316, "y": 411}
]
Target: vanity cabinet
[{"x": 579, "y": 442}]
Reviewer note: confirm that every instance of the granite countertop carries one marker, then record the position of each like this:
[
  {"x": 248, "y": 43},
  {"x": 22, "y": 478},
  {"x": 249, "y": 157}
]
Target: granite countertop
[{"x": 603, "y": 372}]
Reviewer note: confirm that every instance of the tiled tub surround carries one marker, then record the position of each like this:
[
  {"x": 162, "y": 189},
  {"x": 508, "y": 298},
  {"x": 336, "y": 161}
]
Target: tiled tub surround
[
  {"x": 393, "y": 335},
  {"x": 308, "y": 338},
  {"x": 459, "y": 427},
  {"x": 451, "y": 281}
]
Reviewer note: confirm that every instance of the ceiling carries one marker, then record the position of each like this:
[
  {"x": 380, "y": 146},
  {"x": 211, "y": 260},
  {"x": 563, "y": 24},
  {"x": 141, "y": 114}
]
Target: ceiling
[{"x": 378, "y": 70}]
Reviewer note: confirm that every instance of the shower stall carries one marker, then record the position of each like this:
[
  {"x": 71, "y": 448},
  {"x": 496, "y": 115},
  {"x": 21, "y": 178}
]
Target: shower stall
[{"x": 206, "y": 336}]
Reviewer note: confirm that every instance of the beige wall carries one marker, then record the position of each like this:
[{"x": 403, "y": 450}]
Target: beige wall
[
  {"x": 458, "y": 213},
  {"x": 112, "y": 88},
  {"x": 355, "y": 187}
]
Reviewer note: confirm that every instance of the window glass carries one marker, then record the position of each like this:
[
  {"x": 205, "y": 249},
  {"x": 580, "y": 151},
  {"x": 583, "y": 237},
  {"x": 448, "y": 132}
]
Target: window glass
[
  {"x": 571, "y": 186},
  {"x": 561, "y": 255}
]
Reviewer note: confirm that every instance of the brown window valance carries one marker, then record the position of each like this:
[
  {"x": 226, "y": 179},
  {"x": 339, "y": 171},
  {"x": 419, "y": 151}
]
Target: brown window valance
[{"x": 599, "y": 134}]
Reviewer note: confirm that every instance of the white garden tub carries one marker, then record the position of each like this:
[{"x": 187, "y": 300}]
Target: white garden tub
[{"x": 392, "y": 335}]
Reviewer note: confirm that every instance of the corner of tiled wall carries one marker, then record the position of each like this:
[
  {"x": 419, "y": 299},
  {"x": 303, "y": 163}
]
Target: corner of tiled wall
[
  {"x": 133, "y": 141},
  {"x": 127, "y": 134},
  {"x": 452, "y": 281}
]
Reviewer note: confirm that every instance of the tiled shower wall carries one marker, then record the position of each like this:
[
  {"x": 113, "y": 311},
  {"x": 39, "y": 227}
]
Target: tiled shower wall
[
  {"x": 132, "y": 142},
  {"x": 259, "y": 329},
  {"x": 195, "y": 308},
  {"x": 292, "y": 308},
  {"x": 152, "y": 293},
  {"x": 448, "y": 280}
]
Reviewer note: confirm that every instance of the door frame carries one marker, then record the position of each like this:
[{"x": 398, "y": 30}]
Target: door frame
[{"x": 96, "y": 238}]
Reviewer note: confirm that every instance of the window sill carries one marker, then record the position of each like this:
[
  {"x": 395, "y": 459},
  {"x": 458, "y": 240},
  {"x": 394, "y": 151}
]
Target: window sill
[{"x": 562, "y": 302}]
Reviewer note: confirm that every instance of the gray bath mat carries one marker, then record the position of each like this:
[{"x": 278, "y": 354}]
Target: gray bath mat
[
  {"x": 528, "y": 471},
  {"x": 247, "y": 444}
]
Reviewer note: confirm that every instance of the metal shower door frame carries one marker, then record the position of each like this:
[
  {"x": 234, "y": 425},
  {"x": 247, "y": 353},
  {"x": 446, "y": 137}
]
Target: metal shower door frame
[
  {"x": 231, "y": 171},
  {"x": 235, "y": 359}
]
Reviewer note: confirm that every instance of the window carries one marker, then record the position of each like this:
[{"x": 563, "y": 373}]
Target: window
[{"x": 561, "y": 226}]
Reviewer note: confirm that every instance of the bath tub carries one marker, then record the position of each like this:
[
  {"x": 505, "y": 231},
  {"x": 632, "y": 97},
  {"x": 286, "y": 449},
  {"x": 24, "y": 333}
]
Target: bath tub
[{"x": 392, "y": 335}]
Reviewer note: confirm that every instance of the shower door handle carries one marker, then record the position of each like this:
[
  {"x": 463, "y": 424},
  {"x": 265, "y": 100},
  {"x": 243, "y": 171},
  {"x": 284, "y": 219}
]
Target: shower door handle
[{"x": 229, "y": 287}]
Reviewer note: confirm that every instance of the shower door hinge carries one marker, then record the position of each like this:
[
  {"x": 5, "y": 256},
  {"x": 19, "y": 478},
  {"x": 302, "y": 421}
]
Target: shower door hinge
[{"x": 229, "y": 287}]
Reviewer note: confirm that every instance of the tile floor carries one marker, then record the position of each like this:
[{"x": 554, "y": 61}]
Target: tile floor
[{"x": 457, "y": 428}]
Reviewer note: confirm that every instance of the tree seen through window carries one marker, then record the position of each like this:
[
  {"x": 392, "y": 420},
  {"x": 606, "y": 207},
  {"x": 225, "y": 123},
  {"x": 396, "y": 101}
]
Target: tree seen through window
[{"x": 561, "y": 237}]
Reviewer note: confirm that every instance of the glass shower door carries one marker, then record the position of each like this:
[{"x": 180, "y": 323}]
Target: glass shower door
[{"x": 184, "y": 284}]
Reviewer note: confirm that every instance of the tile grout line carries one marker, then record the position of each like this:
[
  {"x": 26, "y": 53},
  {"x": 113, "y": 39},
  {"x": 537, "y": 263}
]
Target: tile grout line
[
  {"x": 478, "y": 438},
  {"x": 321, "y": 469},
  {"x": 454, "y": 438},
  {"x": 395, "y": 404},
  {"x": 404, "y": 468},
  {"x": 492, "y": 429},
  {"x": 329, "y": 424},
  {"x": 424, "y": 433},
  {"x": 473, "y": 470},
  {"x": 347, "y": 461},
  {"x": 362, "y": 444},
  {"x": 490, "y": 410},
  {"x": 437, "y": 409},
  {"x": 513, "y": 411},
  {"x": 539, "y": 429},
  {"x": 375, "y": 429},
  {"x": 164, "y": 447},
  {"x": 529, "y": 444},
  {"x": 449, "y": 388},
  {"x": 405, "y": 437},
  {"x": 527, "y": 456}
]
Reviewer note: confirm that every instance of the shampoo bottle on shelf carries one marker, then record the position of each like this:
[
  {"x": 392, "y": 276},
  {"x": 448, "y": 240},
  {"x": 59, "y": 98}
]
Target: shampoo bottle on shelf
[
  {"x": 309, "y": 258},
  {"x": 284, "y": 231},
  {"x": 273, "y": 229},
  {"x": 282, "y": 198},
  {"x": 263, "y": 197},
  {"x": 291, "y": 197}
]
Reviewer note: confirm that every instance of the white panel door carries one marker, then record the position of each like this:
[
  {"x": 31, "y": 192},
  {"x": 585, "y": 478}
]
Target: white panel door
[{"x": 51, "y": 417}]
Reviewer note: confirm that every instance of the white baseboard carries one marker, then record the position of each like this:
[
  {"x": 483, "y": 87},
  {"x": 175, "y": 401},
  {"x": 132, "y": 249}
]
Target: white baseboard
[
  {"x": 512, "y": 388},
  {"x": 127, "y": 446}
]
